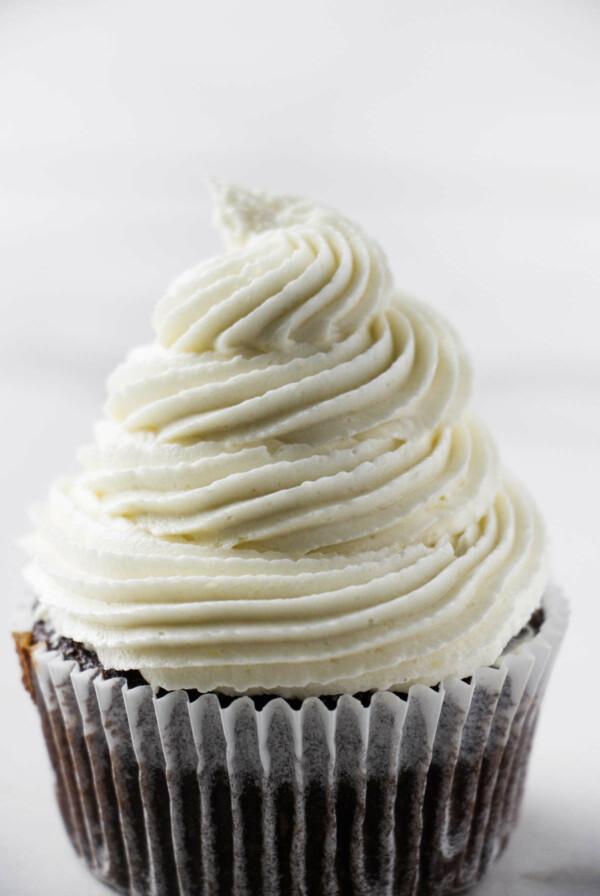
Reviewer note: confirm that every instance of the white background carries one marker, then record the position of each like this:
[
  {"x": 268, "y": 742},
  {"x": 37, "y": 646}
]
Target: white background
[{"x": 463, "y": 135}]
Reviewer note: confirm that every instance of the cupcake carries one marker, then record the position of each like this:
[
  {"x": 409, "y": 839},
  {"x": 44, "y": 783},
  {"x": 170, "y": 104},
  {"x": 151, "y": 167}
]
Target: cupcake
[{"x": 291, "y": 622}]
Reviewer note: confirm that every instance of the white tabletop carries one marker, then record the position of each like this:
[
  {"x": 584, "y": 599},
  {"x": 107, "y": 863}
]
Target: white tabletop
[{"x": 466, "y": 139}]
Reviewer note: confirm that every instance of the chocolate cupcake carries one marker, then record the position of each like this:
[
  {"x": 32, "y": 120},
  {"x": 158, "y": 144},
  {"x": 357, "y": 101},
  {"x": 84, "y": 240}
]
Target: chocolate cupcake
[{"x": 291, "y": 621}]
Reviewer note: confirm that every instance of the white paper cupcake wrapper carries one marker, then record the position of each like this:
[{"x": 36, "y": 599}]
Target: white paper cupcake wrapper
[{"x": 408, "y": 795}]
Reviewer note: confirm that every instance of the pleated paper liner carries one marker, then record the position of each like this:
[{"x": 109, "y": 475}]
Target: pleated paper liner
[{"x": 410, "y": 795}]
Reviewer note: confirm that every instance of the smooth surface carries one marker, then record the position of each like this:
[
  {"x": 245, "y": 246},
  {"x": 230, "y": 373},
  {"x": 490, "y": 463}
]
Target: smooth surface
[{"x": 465, "y": 137}]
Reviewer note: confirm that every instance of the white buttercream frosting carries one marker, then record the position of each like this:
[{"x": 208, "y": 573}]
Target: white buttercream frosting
[{"x": 289, "y": 492}]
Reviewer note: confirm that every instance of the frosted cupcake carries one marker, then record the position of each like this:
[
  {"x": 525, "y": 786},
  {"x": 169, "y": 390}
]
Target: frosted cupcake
[{"x": 291, "y": 621}]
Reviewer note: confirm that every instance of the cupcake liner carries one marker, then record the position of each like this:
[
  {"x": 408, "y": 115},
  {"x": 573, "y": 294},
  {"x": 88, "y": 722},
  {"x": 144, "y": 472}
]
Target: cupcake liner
[{"x": 409, "y": 795}]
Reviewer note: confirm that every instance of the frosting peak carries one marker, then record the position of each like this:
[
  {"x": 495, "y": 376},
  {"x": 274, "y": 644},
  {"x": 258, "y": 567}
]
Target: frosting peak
[
  {"x": 241, "y": 214},
  {"x": 289, "y": 492},
  {"x": 297, "y": 275}
]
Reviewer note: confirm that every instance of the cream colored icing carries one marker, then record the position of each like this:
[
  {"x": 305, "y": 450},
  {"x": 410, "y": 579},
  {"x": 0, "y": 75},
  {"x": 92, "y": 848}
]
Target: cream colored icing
[{"x": 289, "y": 492}]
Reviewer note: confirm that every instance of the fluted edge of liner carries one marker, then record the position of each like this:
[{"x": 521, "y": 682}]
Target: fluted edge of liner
[{"x": 413, "y": 795}]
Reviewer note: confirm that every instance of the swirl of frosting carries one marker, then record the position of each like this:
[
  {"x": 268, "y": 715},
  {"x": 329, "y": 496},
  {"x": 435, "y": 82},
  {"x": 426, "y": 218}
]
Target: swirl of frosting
[{"x": 288, "y": 492}]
